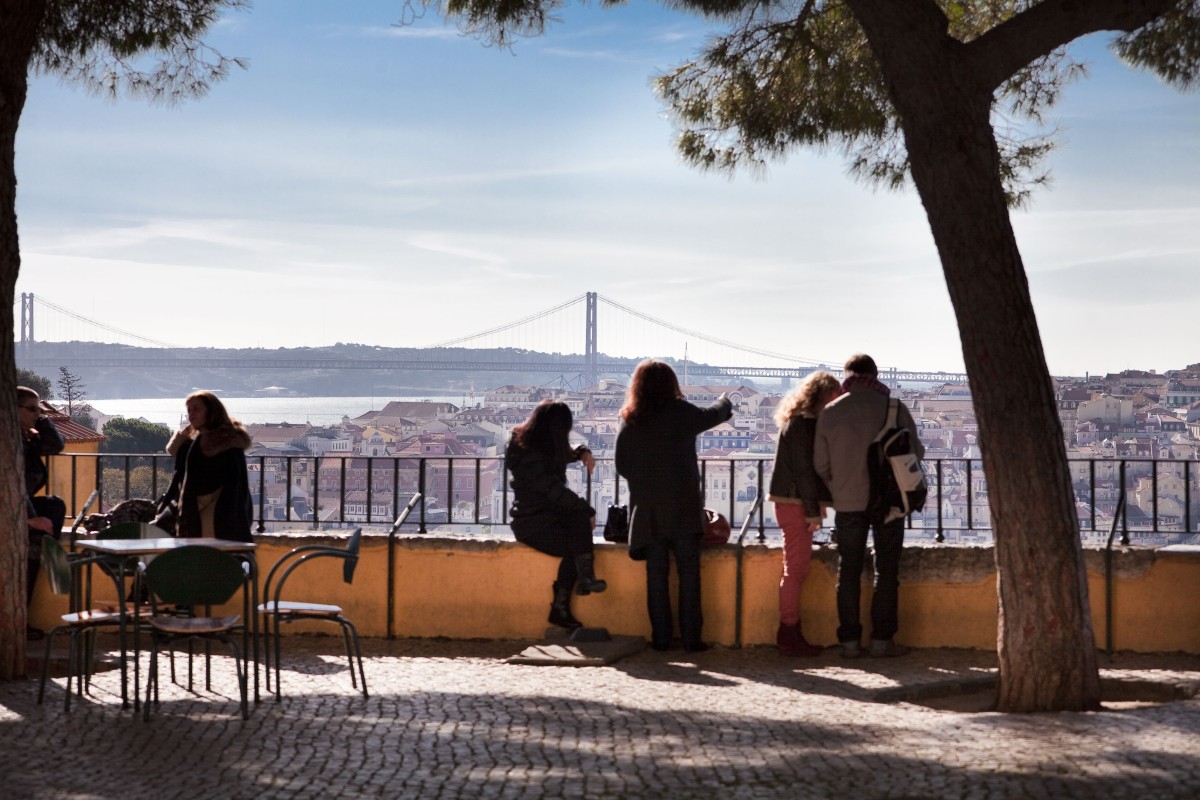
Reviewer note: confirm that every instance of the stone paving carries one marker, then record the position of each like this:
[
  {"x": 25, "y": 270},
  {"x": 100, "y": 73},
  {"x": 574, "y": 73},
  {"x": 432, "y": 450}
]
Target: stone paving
[{"x": 450, "y": 719}]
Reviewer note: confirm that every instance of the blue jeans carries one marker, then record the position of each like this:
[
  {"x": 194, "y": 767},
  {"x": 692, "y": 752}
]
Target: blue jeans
[
  {"x": 852, "y": 528},
  {"x": 686, "y": 547}
]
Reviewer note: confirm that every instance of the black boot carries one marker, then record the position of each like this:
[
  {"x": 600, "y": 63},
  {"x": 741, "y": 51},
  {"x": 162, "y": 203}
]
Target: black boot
[
  {"x": 588, "y": 582},
  {"x": 560, "y": 609}
]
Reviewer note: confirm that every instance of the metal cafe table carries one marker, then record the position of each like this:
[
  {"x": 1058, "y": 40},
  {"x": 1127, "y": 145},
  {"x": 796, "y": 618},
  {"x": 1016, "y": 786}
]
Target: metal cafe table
[{"x": 123, "y": 550}]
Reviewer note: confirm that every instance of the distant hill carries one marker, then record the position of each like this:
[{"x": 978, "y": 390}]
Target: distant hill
[{"x": 153, "y": 374}]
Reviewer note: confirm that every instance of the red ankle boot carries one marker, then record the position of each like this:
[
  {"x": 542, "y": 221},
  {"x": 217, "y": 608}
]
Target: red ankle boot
[{"x": 791, "y": 642}]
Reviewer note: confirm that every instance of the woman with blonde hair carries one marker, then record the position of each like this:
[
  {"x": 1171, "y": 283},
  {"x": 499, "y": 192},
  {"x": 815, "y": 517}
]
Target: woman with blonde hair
[
  {"x": 656, "y": 454},
  {"x": 210, "y": 482},
  {"x": 800, "y": 498}
]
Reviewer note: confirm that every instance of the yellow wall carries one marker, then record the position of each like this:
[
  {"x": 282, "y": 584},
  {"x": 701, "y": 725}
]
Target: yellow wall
[{"x": 463, "y": 589}]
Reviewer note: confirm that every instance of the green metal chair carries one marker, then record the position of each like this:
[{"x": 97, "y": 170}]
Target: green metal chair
[
  {"x": 194, "y": 576},
  {"x": 73, "y": 577},
  {"x": 137, "y": 603},
  {"x": 277, "y": 610}
]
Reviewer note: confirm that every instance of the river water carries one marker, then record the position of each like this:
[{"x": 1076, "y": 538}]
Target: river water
[
  {"x": 261, "y": 410},
  {"x": 258, "y": 410}
]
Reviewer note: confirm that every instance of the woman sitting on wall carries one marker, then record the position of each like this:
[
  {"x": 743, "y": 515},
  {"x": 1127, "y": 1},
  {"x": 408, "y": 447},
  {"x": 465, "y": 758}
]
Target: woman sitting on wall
[{"x": 546, "y": 514}]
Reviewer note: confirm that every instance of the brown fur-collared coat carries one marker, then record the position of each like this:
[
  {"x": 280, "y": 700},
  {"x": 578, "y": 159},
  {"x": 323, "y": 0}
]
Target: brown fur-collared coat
[{"x": 214, "y": 494}]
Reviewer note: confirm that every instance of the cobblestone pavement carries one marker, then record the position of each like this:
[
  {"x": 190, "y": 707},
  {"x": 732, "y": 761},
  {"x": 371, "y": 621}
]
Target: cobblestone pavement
[{"x": 452, "y": 720}]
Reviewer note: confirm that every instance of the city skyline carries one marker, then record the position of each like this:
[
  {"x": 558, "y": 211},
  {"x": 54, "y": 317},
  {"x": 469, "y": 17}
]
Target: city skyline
[{"x": 363, "y": 179}]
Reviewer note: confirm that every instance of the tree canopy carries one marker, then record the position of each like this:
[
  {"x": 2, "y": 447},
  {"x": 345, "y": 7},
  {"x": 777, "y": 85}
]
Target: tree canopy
[
  {"x": 32, "y": 380},
  {"x": 134, "y": 436},
  {"x": 144, "y": 48},
  {"x": 952, "y": 96}
]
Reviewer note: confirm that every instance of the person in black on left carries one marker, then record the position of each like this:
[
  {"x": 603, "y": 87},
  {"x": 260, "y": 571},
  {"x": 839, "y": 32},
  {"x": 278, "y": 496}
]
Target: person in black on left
[
  {"x": 46, "y": 513},
  {"x": 546, "y": 514}
]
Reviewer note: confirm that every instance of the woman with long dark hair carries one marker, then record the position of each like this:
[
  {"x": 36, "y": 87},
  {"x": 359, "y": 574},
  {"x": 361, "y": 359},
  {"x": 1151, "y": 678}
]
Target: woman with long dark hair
[
  {"x": 546, "y": 514},
  {"x": 656, "y": 454},
  {"x": 210, "y": 472}
]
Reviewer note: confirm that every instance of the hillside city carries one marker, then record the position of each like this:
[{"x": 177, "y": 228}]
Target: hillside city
[{"x": 375, "y": 461}]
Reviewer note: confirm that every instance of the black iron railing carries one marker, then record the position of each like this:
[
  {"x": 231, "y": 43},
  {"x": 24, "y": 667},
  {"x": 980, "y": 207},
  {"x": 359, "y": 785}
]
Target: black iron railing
[{"x": 470, "y": 493}]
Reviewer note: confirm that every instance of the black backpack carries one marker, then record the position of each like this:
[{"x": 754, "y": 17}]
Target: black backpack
[{"x": 898, "y": 485}]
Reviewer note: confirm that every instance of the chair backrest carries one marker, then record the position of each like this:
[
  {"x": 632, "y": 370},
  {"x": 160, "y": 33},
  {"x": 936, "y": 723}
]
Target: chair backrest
[
  {"x": 352, "y": 557},
  {"x": 195, "y": 575},
  {"x": 56, "y": 565}
]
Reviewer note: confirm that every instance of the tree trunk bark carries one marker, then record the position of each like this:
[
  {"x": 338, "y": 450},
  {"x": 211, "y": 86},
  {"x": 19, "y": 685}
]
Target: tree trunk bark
[
  {"x": 1045, "y": 645},
  {"x": 18, "y": 33}
]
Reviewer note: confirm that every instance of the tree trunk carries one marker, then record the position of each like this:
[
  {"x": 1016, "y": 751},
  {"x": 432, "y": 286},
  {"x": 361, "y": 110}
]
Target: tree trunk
[
  {"x": 18, "y": 31},
  {"x": 1045, "y": 645}
]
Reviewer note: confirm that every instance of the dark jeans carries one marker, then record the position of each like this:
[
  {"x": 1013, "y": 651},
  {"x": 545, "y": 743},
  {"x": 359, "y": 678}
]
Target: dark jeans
[
  {"x": 564, "y": 536},
  {"x": 686, "y": 547},
  {"x": 559, "y": 535},
  {"x": 56, "y": 510},
  {"x": 852, "y": 528}
]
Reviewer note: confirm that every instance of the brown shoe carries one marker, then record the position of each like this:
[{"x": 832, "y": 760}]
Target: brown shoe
[{"x": 852, "y": 650}]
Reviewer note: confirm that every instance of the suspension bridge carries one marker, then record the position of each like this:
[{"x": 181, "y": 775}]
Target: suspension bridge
[{"x": 534, "y": 343}]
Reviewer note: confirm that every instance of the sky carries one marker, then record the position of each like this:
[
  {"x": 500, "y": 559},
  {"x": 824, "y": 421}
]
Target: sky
[{"x": 406, "y": 185}]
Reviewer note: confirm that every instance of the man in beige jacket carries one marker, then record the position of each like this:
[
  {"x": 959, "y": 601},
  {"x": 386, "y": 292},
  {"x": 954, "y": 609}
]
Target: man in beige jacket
[{"x": 845, "y": 430}]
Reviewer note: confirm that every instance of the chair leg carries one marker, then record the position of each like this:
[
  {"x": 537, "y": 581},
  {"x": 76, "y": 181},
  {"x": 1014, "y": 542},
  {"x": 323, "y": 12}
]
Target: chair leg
[
  {"x": 137, "y": 686},
  {"x": 242, "y": 669},
  {"x": 191, "y": 665},
  {"x": 207, "y": 665},
  {"x": 45, "y": 667},
  {"x": 362, "y": 674},
  {"x": 72, "y": 667},
  {"x": 278, "y": 660},
  {"x": 265, "y": 633},
  {"x": 151, "y": 678},
  {"x": 346, "y": 644},
  {"x": 154, "y": 667}
]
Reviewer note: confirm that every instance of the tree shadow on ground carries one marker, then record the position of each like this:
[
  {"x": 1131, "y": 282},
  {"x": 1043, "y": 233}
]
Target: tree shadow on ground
[{"x": 432, "y": 742}]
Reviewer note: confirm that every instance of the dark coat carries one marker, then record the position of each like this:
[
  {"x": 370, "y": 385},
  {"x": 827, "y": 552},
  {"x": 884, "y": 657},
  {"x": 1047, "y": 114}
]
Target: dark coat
[
  {"x": 47, "y": 441},
  {"x": 794, "y": 478},
  {"x": 541, "y": 497},
  {"x": 657, "y": 456},
  {"x": 214, "y": 461}
]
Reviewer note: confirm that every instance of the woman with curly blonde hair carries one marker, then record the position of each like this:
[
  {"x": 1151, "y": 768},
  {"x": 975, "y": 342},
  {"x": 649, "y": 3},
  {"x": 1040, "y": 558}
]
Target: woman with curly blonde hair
[{"x": 800, "y": 498}]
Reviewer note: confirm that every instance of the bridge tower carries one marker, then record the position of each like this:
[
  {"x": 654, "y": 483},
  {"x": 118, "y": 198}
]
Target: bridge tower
[
  {"x": 590, "y": 376},
  {"x": 26, "y": 318}
]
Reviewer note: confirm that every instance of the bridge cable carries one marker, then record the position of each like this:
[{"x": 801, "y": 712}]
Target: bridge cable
[
  {"x": 711, "y": 339},
  {"x": 108, "y": 328},
  {"x": 507, "y": 326}
]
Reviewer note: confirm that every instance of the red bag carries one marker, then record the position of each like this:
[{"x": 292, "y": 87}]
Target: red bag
[{"x": 716, "y": 529}]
